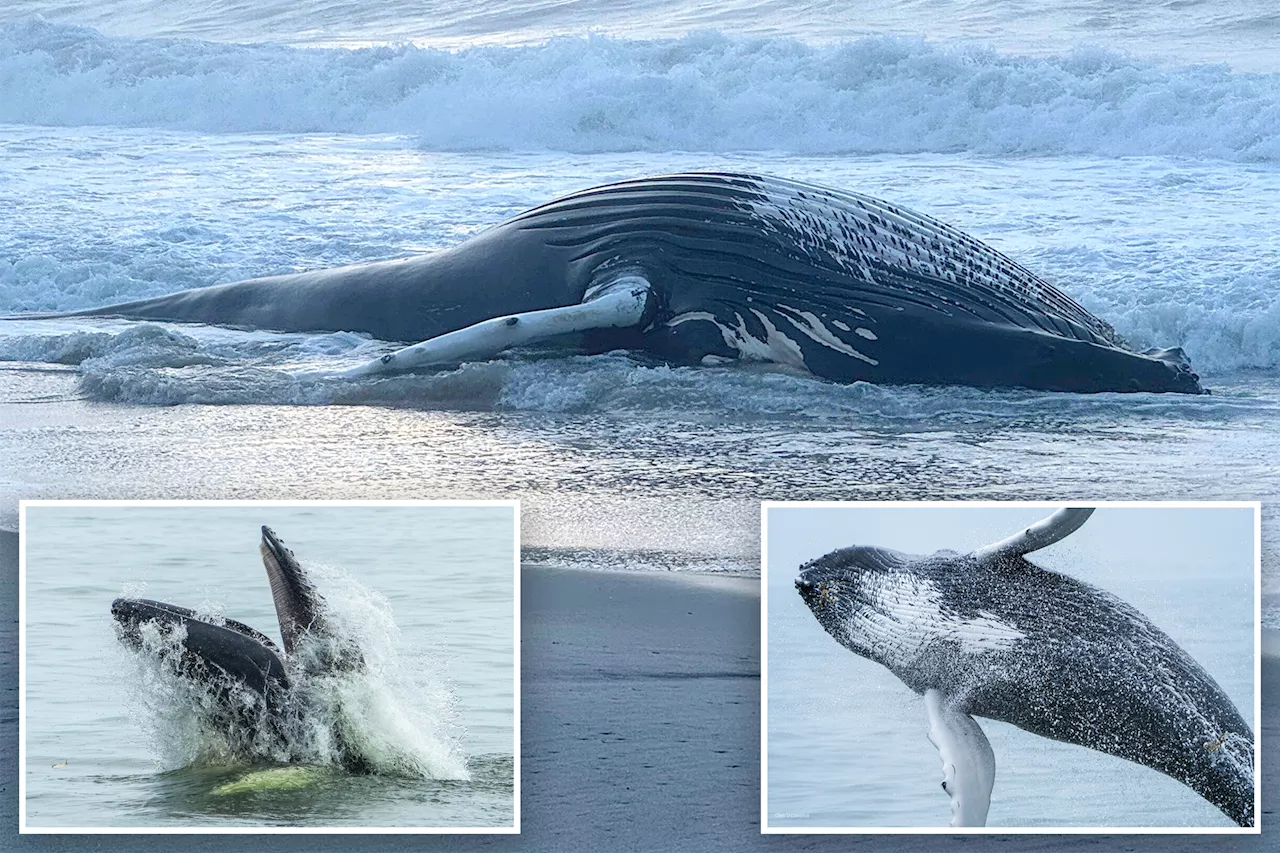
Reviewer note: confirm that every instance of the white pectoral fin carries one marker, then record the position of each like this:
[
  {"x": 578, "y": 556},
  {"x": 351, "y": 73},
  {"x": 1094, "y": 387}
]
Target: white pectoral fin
[
  {"x": 1042, "y": 534},
  {"x": 968, "y": 764},
  {"x": 616, "y": 304}
]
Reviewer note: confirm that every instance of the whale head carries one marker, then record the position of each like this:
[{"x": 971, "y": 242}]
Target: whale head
[
  {"x": 226, "y": 655},
  {"x": 917, "y": 616},
  {"x": 855, "y": 592}
]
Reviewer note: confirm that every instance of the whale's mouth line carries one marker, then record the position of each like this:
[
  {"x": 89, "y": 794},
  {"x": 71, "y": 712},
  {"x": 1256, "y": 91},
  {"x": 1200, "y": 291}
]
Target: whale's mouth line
[{"x": 824, "y": 593}]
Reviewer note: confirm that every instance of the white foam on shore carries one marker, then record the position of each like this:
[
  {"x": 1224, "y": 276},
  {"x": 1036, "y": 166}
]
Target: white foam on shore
[{"x": 162, "y": 365}]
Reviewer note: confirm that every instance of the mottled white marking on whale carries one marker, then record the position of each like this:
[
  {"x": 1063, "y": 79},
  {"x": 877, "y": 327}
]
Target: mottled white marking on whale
[
  {"x": 911, "y": 616},
  {"x": 689, "y": 316},
  {"x": 987, "y": 632},
  {"x": 776, "y": 346},
  {"x": 817, "y": 330}
]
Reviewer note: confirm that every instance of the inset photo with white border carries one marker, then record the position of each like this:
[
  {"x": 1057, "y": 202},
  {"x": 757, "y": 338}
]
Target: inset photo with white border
[
  {"x": 269, "y": 666},
  {"x": 1010, "y": 667}
]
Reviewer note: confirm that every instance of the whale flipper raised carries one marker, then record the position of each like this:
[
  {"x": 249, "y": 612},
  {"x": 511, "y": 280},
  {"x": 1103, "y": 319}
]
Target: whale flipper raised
[
  {"x": 968, "y": 764},
  {"x": 298, "y": 605},
  {"x": 1042, "y": 534}
]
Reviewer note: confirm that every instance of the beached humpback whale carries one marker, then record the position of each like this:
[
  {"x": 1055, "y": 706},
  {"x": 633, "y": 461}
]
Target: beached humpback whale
[
  {"x": 710, "y": 268},
  {"x": 989, "y": 634},
  {"x": 249, "y": 679}
]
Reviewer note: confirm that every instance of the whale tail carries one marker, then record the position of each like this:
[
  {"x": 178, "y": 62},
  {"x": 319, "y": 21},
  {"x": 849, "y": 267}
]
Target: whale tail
[{"x": 1175, "y": 358}]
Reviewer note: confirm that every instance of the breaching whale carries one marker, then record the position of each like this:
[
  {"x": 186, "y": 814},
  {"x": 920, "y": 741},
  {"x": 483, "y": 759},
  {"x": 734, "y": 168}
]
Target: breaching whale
[
  {"x": 249, "y": 680},
  {"x": 989, "y": 634},
  {"x": 711, "y": 268}
]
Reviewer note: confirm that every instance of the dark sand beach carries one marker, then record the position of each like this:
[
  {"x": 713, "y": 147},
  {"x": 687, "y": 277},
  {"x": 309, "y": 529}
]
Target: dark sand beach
[{"x": 640, "y": 727}]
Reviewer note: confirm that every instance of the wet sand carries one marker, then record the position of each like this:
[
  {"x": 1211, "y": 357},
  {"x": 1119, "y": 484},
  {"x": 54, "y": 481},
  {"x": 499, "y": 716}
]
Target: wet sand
[{"x": 640, "y": 728}]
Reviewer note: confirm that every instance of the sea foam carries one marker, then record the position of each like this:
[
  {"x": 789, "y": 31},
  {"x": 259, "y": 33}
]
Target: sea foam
[{"x": 703, "y": 92}]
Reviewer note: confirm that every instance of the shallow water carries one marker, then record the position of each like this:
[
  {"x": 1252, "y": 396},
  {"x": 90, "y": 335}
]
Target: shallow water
[
  {"x": 573, "y": 432},
  {"x": 1172, "y": 250},
  {"x": 429, "y": 592},
  {"x": 1233, "y": 31}
]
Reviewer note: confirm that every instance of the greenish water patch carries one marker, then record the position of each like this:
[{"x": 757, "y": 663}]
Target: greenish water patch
[{"x": 272, "y": 779}]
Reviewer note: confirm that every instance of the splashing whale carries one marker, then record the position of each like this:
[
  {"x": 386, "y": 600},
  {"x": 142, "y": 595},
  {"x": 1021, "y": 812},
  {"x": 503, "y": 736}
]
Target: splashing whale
[{"x": 249, "y": 678}]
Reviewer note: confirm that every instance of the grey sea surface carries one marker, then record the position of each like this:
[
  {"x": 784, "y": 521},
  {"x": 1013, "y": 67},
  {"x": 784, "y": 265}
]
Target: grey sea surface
[
  {"x": 672, "y": 482},
  {"x": 847, "y": 744},
  {"x": 427, "y": 591}
]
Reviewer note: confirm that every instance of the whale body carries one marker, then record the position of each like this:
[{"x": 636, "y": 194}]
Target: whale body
[
  {"x": 718, "y": 267},
  {"x": 990, "y": 634},
  {"x": 250, "y": 682}
]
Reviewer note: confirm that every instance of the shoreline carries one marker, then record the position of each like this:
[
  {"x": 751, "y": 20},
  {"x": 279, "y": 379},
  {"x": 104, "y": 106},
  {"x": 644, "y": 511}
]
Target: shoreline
[{"x": 640, "y": 730}]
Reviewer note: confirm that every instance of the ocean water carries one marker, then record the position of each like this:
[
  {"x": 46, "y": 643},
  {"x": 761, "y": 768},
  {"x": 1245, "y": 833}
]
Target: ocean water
[
  {"x": 142, "y": 158},
  {"x": 114, "y": 741},
  {"x": 847, "y": 741}
]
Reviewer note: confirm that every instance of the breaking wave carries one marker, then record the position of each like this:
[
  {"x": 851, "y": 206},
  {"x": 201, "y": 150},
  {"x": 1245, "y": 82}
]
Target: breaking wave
[{"x": 706, "y": 91}]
